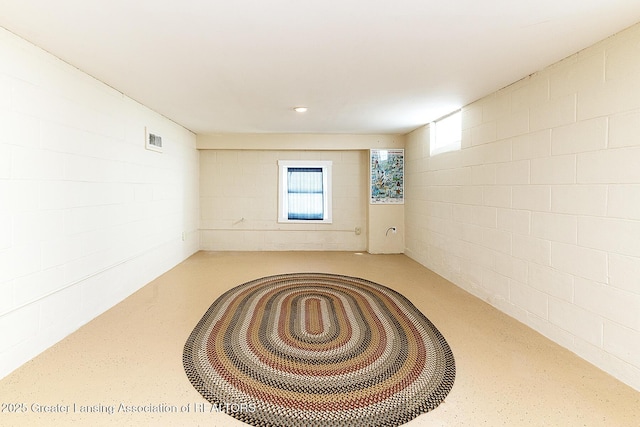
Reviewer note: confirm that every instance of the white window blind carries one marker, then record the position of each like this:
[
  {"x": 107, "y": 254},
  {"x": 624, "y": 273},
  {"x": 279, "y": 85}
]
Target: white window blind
[{"x": 305, "y": 191}]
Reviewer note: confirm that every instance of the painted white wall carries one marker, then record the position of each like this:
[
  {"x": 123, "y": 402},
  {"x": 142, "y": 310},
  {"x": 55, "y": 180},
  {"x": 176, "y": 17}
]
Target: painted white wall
[
  {"x": 87, "y": 214},
  {"x": 239, "y": 202},
  {"x": 539, "y": 213}
]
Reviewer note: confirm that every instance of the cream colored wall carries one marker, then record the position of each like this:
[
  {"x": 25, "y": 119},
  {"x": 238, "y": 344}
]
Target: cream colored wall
[
  {"x": 239, "y": 202},
  {"x": 87, "y": 214},
  {"x": 382, "y": 220},
  {"x": 239, "y": 185},
  {"x": 539, "y": 213},
  {"x": 298, "y": 142}
]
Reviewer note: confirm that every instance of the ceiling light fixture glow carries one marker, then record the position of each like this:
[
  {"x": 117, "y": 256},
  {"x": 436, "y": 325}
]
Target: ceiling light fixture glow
[{"x": 300, "y": 109}]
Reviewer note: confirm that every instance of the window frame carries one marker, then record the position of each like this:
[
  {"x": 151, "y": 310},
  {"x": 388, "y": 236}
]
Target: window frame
[
  {"x": 283, "y": 200},
  {"x": 452, "y": 145}
]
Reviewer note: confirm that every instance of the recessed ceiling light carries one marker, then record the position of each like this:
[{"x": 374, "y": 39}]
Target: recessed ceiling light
[{"x": 300, "y": 109}]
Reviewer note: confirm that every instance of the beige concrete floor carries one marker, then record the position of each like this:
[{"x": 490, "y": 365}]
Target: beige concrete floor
[{"x": 132, "y": 354}]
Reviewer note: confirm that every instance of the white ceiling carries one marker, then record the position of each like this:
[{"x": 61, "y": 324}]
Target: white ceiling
[{"x": 374, "y": 66}]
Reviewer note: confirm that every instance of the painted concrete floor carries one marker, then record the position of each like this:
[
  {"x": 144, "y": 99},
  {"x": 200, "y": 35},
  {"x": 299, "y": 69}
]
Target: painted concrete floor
[{"x": 131, "y": 356}]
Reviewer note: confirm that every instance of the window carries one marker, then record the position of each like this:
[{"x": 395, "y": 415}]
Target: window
[
  {"x": 446, "y": 133},
  {"x": 304, "y": 189}
]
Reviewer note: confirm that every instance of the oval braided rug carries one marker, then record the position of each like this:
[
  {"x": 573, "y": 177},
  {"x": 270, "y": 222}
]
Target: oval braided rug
[{"x": 314, "y": 349}]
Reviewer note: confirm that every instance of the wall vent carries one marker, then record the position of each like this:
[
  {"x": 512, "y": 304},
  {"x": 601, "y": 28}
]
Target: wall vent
[{"x": 153, "y": 141}]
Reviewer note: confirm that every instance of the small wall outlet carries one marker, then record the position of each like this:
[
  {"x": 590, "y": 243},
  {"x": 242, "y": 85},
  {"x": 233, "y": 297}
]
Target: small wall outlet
[
  {"x": 358, "y": 231},
  {"x": 184, "y": 236}
]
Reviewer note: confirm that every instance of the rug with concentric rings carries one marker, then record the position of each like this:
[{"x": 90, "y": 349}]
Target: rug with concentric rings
[{"x": 316, "y": 349}]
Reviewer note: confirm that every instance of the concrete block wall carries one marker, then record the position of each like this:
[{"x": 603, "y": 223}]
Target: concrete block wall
[
  {"x": 239, "y": 202},
  {"x": 539, "y": 212},
  {"x": 87, "y": 214}
]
